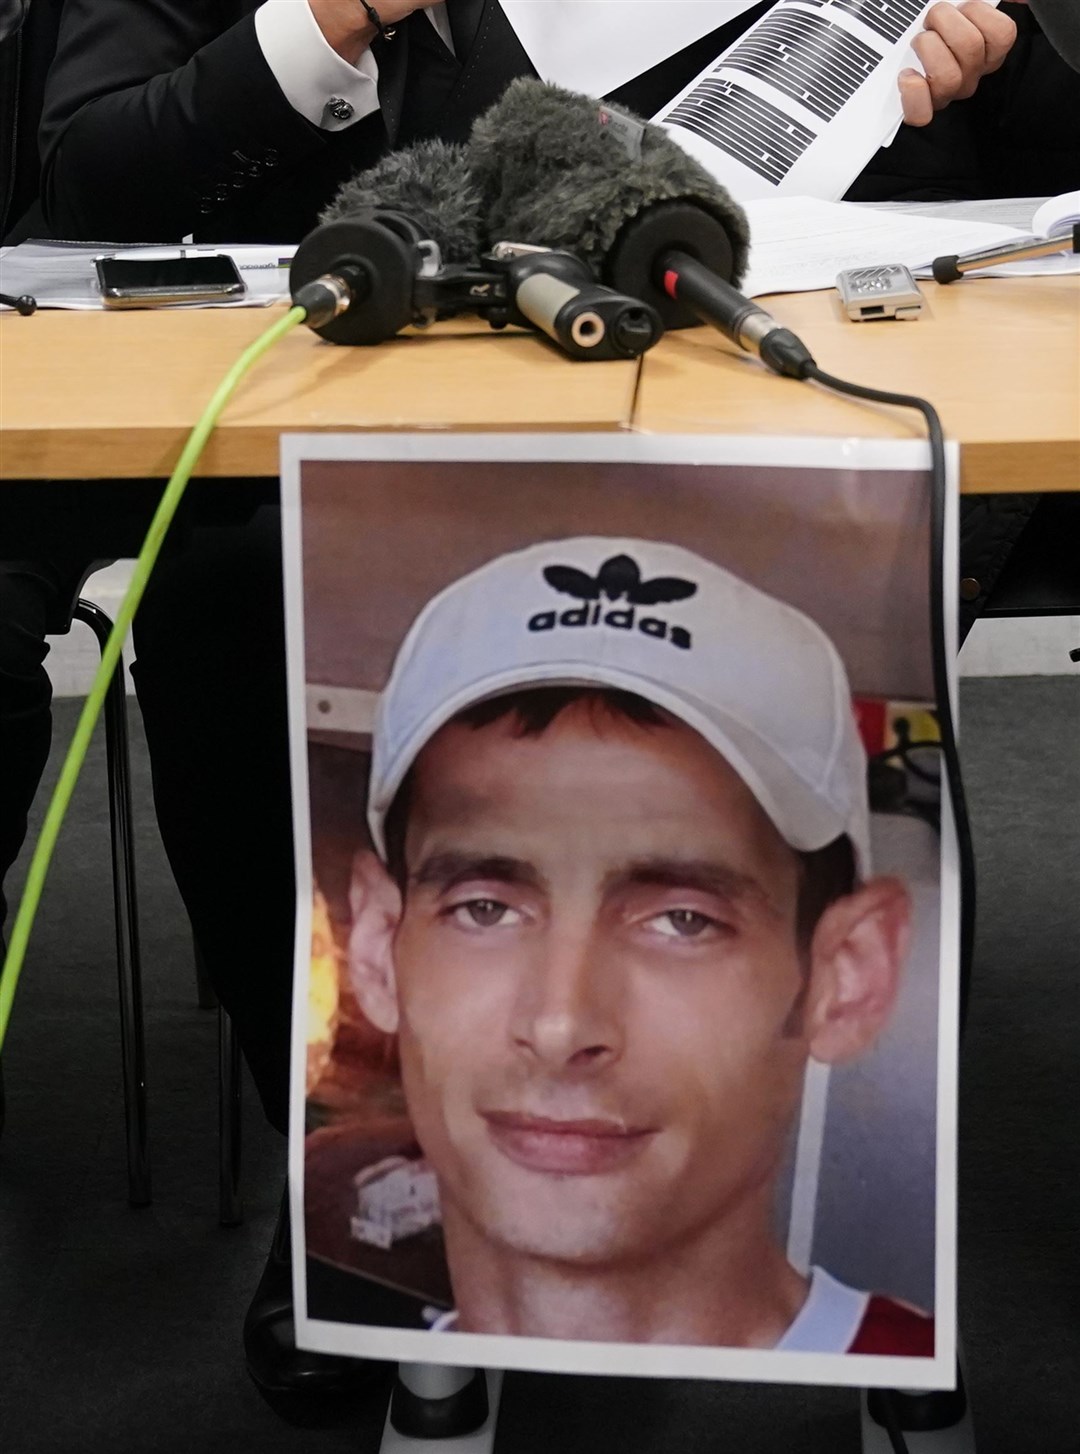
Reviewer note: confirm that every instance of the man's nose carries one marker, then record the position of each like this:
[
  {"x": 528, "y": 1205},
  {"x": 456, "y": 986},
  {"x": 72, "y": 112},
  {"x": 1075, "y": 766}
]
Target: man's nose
[{"x": 568, "y": 1009}]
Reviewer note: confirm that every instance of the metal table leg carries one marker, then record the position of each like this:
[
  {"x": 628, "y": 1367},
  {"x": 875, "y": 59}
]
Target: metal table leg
[{"x": 125, "y": 904}]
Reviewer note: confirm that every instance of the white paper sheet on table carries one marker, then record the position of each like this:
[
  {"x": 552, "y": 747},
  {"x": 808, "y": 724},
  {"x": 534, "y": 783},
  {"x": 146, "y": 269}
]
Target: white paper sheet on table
[
  {"x": 799, "y": 244},
  {"x": 598, "y": 45},
  {"x": 800, "y": 103},
  {"x": 62, "y": 274}
]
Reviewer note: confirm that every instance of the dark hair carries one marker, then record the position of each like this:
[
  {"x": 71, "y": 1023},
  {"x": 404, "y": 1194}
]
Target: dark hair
[{"x": 826, "y": 874}]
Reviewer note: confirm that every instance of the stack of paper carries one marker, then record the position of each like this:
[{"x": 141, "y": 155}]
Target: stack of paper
[{"x": 798, "y": 244}]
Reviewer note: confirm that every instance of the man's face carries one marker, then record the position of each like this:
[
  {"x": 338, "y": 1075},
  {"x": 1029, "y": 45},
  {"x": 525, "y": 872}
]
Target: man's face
[{"x": 598, "y": 985}]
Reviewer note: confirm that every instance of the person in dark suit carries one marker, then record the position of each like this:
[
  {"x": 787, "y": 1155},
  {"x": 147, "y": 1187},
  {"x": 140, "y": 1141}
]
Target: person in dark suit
[{"x": 231, "y": 120}]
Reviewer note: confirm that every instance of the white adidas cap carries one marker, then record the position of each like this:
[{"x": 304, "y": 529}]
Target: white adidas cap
[{"x": 757, "y": 679}]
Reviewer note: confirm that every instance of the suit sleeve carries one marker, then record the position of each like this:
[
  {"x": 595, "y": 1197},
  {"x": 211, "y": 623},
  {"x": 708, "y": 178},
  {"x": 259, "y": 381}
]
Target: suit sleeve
[{"x": 159, "y": 113}]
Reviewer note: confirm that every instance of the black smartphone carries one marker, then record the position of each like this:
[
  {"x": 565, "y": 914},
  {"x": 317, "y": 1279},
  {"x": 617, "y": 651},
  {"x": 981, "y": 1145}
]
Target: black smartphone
[{"x": 153, "y": 282}]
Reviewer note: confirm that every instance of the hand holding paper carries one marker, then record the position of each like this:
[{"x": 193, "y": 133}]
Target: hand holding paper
[
  {"x": 801, "y": 100},
  {"x": 958, "y": 45},
  {"x": 800, "y": 103}
]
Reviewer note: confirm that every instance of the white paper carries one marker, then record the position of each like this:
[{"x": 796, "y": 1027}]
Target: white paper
[
  {"x": 799, "y": 244},
  {"x": 800, "y": 103},
  {"x": 1056, "y": 215},
  {"x": 597, "y": 45},
  {"x": 62, "y": 275}
]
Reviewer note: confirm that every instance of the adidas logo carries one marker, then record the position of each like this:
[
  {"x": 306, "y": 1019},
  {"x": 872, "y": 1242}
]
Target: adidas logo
[{"x": 619, "y": 579}]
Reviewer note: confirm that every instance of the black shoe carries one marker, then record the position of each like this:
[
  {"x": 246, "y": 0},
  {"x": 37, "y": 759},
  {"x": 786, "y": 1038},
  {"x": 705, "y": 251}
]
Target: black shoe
[{"x": 310, "y": 1389}]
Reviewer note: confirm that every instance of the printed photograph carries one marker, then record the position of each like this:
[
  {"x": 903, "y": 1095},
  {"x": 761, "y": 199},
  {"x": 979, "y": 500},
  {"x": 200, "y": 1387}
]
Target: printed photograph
[{"x": 618, "y": 1036}]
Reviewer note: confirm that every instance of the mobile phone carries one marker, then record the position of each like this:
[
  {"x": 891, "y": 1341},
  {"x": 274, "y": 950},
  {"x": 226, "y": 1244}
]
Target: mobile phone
[
  {"x": 153, "y": 282},
  {"x": 881, "y": 292}
]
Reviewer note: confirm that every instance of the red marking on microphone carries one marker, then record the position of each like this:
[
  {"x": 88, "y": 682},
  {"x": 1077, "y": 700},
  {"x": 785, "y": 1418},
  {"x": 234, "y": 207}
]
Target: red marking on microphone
[{"x": 671, "y": 283}]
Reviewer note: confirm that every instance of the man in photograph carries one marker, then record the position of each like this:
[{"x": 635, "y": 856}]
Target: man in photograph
[{"x": 621, "y": 897}]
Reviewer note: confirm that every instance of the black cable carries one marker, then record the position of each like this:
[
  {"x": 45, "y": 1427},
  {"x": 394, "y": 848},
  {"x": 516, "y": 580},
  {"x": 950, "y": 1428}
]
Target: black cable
[
  {"x": 715, "y": 301},
  {"x": 938, "y": 487},
  {"x": 755, "y": 331},
  {"x": 892, "y": 1423},
  {"x": 903, "y": 754},
  {"x": 938, "y": 501}
]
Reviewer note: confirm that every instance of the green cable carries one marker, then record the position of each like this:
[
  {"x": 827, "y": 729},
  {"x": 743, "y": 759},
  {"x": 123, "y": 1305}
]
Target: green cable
[{"x": 76, "y": 753}]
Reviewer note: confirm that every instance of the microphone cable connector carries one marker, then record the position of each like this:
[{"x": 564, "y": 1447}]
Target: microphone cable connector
[{"x": 329, "y": 296}]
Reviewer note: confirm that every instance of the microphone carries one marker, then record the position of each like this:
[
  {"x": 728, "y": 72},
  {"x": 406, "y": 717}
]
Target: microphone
[
  {"x": 563, "y": 169},
  {"x": 355, "y": 272},
  {"x": 566, "y": 170},
  {"x": 738, "y": 318},
  {"x": 392, "y": 249},
  {"x": 432, "y": 184}
]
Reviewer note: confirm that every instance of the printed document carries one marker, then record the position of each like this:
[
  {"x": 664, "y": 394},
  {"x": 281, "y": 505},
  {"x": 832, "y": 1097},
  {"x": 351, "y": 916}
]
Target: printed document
[{"x": 800, "y": 103}]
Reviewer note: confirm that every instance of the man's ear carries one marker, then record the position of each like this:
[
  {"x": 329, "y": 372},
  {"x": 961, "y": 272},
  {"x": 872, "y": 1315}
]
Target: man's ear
[
  {"x": 856, "y": 958},
  {"x": 376, "y": 905}
]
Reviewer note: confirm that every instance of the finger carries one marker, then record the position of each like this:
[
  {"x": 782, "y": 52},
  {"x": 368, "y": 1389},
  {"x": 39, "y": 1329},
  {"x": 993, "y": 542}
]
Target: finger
[
  {"x": 998, "y": 31},
  {"x": 915, "y": 98},
  {"x": 964, "y": 40},
  {"x": 943, "y": 74}
]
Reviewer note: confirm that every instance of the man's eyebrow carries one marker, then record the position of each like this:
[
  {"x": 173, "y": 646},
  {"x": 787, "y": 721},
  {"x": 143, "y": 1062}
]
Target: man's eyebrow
[
  {"x": 446, "y": 869},
  {"x": 700, "y": 874}
]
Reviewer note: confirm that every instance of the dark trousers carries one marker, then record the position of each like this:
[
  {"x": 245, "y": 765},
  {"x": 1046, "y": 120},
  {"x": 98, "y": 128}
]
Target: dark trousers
[
  {"x": 210, "y": 678},
  {"x": 28, "y": 594}
]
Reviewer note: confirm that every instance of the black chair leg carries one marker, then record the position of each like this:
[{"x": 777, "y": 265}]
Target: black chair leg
[
  {"x": 230, "y": 1204},
  {"x": 125, "y": 902}
]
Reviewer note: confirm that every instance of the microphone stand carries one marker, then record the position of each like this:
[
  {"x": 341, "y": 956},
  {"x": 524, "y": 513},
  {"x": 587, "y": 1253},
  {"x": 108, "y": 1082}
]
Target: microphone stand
[
  {"x": 952, "y": 267},
  {"x": 23, "y": 304},
  {"x": 442, "y": 1409}
]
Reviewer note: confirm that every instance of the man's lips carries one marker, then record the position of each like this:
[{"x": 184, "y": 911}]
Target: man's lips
[{"x": 581, "y": 1147}]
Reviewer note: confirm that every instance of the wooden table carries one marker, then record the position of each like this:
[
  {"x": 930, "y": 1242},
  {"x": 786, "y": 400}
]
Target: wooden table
[
  {"x": 113, "y": 395},
  {"x": 98, "y": 395},
  {"x": 998, "y": 357}
]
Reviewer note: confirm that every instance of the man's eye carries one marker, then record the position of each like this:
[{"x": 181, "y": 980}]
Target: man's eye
[
  {"x": 683, "y": 924},
  {"x": 484, "y": 914}
]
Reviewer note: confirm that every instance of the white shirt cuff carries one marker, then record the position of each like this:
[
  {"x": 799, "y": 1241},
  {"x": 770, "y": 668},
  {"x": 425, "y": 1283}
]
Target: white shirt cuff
[{"x": 315, "y": 80}]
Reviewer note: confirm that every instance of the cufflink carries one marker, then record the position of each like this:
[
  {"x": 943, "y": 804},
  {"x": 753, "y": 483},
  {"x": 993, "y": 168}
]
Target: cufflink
[{"x": 339, "y": 108}]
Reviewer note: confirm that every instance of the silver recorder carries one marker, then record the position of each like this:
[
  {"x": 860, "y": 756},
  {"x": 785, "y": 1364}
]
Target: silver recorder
[{"x": 888, "y": 291}]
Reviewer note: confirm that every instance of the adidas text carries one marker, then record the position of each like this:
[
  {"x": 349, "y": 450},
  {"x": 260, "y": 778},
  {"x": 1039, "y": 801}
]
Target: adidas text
[{"x": 623, "y": 618}]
